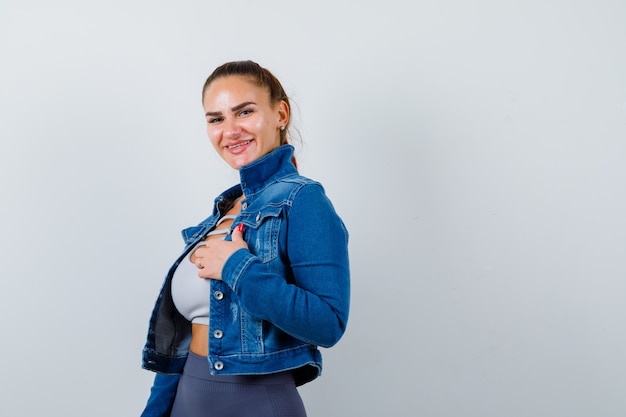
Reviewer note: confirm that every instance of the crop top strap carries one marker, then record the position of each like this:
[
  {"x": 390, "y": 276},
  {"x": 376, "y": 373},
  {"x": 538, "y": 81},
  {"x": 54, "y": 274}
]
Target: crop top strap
[
  {"x": 226, "y": 217},
  {"x": 222, "y": 231}
]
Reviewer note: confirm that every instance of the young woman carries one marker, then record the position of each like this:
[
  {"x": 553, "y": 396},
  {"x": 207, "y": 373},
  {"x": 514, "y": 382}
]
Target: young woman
[{"x": 262, "y": 282}]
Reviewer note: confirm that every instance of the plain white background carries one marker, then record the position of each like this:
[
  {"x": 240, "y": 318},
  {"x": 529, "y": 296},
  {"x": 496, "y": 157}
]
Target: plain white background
[{"x": 475, "y": 150}]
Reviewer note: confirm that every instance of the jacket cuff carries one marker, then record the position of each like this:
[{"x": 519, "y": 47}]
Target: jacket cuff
[{"x": 235, "y": 266}]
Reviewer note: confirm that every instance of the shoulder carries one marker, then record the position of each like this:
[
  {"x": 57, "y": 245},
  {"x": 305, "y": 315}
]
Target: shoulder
[{"x": 287, "y": 188}]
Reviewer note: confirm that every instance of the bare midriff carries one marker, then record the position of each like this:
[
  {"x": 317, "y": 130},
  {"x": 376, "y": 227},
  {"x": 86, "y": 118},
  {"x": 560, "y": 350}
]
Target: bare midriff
[
  {"x": 200, "y": 332},
  {"x": 199, "y": 339}
]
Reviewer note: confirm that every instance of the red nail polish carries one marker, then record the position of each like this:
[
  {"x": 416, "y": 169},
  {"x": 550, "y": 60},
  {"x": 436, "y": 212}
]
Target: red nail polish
[{"x": 240, "y": 227}]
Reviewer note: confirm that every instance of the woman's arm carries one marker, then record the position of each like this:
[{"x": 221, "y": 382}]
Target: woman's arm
[
  {"x": 162, "y": 396},
  {"x": 315, "y": 309}
]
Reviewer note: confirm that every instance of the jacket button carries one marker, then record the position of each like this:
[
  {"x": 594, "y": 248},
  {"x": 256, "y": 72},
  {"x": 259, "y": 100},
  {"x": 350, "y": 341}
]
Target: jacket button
[
  {"x": 244, "y": 205},
  {"x": 218, "y": 295},
  {"x": 218, "y": 365},
  {"x": 258, "y": 217},
  {"x": 218, "y": 334}
]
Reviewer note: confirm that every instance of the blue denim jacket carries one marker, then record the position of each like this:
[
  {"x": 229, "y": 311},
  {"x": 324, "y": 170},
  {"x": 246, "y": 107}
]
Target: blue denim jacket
[{"x": 278, "y": 300}]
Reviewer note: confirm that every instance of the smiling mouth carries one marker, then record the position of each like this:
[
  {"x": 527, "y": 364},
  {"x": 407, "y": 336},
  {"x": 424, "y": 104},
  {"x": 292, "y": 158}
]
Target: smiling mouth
[{"x": 238, "y": 145}]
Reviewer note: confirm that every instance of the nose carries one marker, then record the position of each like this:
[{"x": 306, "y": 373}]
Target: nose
[{"x": 232, "y": 129}]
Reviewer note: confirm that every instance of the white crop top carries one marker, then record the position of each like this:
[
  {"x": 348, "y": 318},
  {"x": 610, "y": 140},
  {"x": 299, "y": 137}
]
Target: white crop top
[{"x": 190, "y": 293}]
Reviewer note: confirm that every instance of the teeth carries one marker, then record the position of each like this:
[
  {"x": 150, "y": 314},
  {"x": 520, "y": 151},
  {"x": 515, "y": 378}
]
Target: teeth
[{"x": 238, "y": 145}]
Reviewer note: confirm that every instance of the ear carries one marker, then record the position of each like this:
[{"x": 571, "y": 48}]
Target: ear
[{"x": 283, "y": 113}]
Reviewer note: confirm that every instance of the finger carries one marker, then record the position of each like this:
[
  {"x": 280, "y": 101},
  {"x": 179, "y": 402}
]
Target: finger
[
  {"x": 201, "y": 251},
  {"x": 193, "y": 255},
  {"x": 237, "y": 234}
]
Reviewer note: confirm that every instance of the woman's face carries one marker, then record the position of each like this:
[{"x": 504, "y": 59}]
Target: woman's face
[{"x": 241, "y": 122}]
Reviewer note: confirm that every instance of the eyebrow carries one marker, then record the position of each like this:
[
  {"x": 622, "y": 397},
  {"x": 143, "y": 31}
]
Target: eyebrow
[{"x": 233, "y": 109}]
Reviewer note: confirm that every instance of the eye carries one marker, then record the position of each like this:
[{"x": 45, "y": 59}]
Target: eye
[
  {"x": 212, "y": 120},
  {"x": 245, "y": 112}
]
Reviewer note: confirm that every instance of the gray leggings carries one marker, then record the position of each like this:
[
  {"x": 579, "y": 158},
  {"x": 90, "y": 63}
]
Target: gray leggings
[{"x": 201, "y": 394}]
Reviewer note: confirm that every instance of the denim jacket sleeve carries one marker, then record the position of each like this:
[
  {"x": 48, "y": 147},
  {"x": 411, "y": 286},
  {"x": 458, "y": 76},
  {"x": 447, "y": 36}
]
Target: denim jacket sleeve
[
  {"x": 162, "y": 396},
  {"x": 315, "y": 309}
]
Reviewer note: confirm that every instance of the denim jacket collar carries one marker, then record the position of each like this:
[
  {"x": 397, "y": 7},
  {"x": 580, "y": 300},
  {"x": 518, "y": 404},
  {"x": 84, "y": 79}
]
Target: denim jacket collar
[{"x": 273, "y": 166}]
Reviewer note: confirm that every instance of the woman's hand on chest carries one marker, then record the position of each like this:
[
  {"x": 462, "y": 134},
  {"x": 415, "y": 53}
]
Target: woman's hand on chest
[{"x": 210, "y": 258}]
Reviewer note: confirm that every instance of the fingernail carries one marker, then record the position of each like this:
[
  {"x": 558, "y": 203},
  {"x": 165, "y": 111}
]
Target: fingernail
[{"x": 240, "y": 227}]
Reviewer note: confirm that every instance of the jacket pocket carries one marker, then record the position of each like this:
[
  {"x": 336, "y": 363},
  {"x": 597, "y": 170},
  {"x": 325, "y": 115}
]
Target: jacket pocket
[{"x": 263, "y": 231}]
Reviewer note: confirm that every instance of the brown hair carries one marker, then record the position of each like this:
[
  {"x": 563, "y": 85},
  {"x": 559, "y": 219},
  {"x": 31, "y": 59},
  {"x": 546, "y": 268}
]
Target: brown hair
[{"x": 261, "y": 76}]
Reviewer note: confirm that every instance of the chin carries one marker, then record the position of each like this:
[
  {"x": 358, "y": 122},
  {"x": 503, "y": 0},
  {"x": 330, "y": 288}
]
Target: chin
[{"x": 238, "y": 162}]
